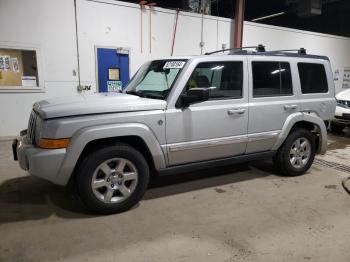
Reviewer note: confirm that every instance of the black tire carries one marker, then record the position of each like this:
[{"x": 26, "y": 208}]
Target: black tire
[
  {"x": 91, "y": 162},
  {"x": 337, "y": 128},
  {"x": 282, "y": 157}
]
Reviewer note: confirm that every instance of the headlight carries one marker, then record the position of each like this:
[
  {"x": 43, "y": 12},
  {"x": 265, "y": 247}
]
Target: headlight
[{"x": 343, "y": 103}]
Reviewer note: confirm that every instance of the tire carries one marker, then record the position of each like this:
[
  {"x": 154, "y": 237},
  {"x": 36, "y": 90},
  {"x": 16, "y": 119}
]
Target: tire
[
  {"x": 285, "y": 155},
  {"x": 337, "y": 128},
  {"x": 120, "y": 175}
]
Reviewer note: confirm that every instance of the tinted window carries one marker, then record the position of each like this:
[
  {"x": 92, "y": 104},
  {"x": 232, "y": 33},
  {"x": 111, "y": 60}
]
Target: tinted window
[
  {"x": 313, "y": 78},
  {"x": 225, "y": 79},
  {"x": 271, "y": 79}
]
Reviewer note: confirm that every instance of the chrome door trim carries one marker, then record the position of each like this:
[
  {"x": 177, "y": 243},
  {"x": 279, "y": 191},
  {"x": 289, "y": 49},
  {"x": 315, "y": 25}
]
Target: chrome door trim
[
  {"x": 207, "y": 143},
  {"x": 222, "y": 141},
  {"x": 263, "y": 136}
]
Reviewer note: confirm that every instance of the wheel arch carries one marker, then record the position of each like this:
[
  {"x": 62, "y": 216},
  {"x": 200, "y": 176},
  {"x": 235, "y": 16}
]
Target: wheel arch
[
  {"x": 309, "y": 121},
  {"x": 84, "y": 140}
]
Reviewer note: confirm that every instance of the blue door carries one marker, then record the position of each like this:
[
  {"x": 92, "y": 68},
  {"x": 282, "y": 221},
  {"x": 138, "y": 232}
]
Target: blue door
[{"x": 113, "y": 70}]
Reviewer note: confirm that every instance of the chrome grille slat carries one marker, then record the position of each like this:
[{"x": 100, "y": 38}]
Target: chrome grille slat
[{"x": 31, "y": 127}]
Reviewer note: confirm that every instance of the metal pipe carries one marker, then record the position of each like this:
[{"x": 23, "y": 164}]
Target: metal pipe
[
  {"x": 150, "y": 30},
  {"x": 77, "y": 43},
  {"x": 141, "y": 28},
  {"x": 239, "y": 18},
  {"x": 177, "y": 17}
]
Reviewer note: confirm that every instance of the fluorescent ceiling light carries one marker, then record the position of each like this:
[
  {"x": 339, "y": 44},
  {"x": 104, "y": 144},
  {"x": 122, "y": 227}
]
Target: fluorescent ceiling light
[
  {"x": 268, "y": 16},
  {"x": 217, "y": 67},
  {"x": 278, "y": 71}
]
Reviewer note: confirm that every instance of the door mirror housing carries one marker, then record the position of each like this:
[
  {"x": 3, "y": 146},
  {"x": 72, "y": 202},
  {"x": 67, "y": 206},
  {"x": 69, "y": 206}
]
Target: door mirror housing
[{"x": 192, "y": 96}]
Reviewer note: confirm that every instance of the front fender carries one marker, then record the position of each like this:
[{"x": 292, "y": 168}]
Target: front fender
[
  {"x": 85, "y": 135},
  {"x": 307, "y": 117}
]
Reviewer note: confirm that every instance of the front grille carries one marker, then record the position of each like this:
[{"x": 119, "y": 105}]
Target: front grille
[
  {"x": 344, "y": 103},
  {"x": 31, "y": 127}
]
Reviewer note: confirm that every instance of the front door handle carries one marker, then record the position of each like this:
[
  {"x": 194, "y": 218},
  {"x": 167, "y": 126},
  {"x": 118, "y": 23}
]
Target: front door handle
[
  {"x": 237, "y": 111},
  {"x": 290, "y": 107}
]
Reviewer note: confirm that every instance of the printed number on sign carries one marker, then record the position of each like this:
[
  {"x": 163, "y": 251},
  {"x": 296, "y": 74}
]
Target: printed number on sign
[{"x": 174, "y": 64}]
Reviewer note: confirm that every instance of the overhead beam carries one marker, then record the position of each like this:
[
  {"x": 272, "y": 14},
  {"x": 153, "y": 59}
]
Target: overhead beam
[{"x": 239, "y": 18}]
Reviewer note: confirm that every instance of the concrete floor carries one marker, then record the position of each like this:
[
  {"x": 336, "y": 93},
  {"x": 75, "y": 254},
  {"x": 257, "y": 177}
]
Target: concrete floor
[{"x": 238, "y": 213}]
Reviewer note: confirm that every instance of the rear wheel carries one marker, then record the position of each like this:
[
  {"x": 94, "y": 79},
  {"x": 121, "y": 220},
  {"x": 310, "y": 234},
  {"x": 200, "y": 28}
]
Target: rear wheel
[
  {"x": 112, "y": 179},
  {"x": 297, "y": 153}
]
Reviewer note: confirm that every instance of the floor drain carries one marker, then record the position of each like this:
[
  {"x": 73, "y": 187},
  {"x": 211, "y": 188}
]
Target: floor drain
[{"x": 333, "y": 165}]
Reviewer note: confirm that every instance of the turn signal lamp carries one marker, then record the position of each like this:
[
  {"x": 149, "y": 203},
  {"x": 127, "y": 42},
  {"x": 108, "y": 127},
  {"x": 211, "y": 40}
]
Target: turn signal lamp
[{"x": 54, "y": 143}]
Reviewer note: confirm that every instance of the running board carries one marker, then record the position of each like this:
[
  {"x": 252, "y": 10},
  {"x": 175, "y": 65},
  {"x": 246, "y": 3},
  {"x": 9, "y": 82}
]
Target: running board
[{"x": 214, "y": 163}]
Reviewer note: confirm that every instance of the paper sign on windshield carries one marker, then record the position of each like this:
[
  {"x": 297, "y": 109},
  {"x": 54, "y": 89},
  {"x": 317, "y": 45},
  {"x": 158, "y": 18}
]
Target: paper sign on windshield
[{"x": 174, "y": 64}]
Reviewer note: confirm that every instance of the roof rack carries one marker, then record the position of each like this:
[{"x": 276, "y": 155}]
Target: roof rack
[
  {"x": 300, "y": 51},
  {"x": 258, "y": 48}
]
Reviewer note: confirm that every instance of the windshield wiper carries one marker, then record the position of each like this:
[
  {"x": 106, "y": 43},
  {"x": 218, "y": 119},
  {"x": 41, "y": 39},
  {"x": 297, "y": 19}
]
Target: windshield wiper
[
  {"x": 133, "y": 92},
  {"x": 144, "y": 94}
]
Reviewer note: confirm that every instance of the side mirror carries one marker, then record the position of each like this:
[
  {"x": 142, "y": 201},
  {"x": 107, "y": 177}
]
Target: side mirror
[{"x": 194, "y": 95}]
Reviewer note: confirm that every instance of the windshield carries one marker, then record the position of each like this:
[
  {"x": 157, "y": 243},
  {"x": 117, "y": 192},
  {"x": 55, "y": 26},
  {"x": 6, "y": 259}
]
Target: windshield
[{"x": 155, "y": 79}]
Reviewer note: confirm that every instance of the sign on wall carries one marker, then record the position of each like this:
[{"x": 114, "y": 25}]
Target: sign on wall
[
  {"x": 114, "y": 86},
  {"x": 346, "y": 78}
]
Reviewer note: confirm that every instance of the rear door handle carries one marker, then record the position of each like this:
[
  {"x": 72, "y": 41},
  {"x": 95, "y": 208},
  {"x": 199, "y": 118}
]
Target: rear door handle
[
  {"x": 290, "y": 107},
  {"x": 237, "y": 111}
]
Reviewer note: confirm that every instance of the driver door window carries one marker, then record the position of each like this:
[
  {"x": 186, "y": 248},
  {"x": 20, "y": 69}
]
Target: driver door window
[{"x": 225, "y": 79}]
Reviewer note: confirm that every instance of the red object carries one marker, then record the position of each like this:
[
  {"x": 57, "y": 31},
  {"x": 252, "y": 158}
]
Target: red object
[
  {"x": 239, "y": 18},
  {"x": 147, "y": 2}
]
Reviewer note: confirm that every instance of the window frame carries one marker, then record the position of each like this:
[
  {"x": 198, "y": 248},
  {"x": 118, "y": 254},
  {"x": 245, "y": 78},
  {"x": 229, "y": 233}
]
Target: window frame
[
  {"x": 223, "y": 61},
  {"x": 272, "y": 61},
  {"x": 21, "y": 89},
  {"x": 299, "y": 78}
]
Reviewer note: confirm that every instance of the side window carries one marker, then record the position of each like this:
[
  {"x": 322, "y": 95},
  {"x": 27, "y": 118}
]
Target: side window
[
  {"x": 225, "y": 79},
  {"x": 271, "y": 79},
  {"x": 313, "y": 78}
]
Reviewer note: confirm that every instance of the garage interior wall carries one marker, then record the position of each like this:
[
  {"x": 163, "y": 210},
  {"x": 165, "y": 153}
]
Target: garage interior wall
[{"x": 49, "y": 27}]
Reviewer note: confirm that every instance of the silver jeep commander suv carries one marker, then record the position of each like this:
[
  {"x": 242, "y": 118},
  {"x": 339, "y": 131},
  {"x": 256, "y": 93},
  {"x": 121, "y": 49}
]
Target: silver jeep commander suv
[{"x": 181, "y": 114}]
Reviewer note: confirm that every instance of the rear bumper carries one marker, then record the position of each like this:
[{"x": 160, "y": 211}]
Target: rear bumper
[{"x": 44, "y": 163}]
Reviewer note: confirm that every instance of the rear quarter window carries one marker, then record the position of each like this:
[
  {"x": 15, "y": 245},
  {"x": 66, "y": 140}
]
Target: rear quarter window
[
  {"x": 271, "y": 79},
  {"x": 313, "y": 78}
]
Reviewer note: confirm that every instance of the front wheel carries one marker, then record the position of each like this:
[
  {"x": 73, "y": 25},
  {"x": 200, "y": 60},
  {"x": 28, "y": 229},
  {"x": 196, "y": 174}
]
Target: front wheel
[
  {"x": 297, "y": 153},
  {"x": 112, "y": 179}
]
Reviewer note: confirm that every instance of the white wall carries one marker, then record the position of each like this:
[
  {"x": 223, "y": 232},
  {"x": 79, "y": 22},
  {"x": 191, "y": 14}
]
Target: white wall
[
  {"x": 49, "y": 26},
  {"x": 117, "y": 24}
]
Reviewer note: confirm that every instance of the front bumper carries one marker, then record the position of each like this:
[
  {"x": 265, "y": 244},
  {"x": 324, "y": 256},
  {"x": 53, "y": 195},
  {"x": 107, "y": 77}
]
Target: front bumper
[
  {"x": 44, "y": 163},
  {"x": 342, "y": 115}
]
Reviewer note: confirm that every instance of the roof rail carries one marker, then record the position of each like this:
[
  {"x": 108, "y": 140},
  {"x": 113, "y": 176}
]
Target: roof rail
[
  {"x": 300, "y": 51},
  {"x": 258, "y": 48}
]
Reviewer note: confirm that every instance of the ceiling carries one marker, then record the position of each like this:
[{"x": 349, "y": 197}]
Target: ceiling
[
  {"x": 334, "y": 17},
  {"x": 329, "y": 16}
]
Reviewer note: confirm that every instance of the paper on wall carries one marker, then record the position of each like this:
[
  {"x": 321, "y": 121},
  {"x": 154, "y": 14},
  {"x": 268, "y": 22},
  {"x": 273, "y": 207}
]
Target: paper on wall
[
  {"x": 7, "y": 63},
  {"x": 15, "y": 65},
  {"x": 2, "y": 63},
  {"x": 29, "y": 81},
  {"x": 346, "y": 78}
]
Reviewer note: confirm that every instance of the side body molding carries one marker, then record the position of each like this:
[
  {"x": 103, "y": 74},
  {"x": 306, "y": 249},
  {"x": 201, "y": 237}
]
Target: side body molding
[
  {"x": 307, "y": 117},
  {"x": 85, "y": 135}
]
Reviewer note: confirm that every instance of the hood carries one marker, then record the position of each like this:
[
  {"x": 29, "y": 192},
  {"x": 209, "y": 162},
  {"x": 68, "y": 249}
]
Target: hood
[
  {"x": 343, "y": 95},
  {"x": 95, "y": 104}
]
